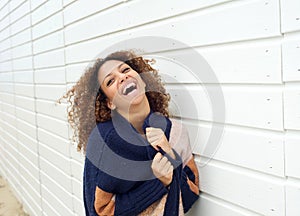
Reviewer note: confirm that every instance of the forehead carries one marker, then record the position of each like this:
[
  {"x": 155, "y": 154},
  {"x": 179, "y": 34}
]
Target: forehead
[{"x": 108, "y": 67}]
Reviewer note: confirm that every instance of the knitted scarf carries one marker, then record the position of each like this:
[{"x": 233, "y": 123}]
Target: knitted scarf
[{"x": 123, "y": 158}]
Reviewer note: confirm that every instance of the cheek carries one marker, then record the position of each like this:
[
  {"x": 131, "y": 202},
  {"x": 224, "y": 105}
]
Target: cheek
[{"x": 110, "y": 92}]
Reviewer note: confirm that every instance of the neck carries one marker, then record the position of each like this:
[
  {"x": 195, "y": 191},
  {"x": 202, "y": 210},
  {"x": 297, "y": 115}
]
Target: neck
[{"x": 137, "y": 114}]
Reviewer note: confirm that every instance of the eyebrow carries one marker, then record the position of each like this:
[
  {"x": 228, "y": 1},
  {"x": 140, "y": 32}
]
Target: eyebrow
[{"x": 120, "y": 65}]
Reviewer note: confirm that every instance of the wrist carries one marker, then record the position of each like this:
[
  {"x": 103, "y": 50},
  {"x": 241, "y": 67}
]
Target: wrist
[{"x": 167, "y": 184}]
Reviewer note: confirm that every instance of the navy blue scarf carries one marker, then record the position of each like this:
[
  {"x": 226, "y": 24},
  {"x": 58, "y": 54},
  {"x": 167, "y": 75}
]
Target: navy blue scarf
[{"x": 123, "y": 159}]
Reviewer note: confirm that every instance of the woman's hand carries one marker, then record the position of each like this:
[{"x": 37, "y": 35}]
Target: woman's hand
[
  {"x": 156, "y": 137},
  {"x": 162, "y": 169}
]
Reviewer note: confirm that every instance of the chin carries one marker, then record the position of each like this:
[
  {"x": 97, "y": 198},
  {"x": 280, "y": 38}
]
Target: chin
[{"x": 139, "y": 99}]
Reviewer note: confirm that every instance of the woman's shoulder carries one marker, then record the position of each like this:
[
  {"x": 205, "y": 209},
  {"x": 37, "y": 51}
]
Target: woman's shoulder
[
  {"x": 178, "y": 127},
  {"x": 97, "y": 137}
]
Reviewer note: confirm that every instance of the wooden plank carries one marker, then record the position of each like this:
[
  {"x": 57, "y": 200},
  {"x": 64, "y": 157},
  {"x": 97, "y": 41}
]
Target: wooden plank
[
  {"x": 49, "y": 42},
  {"x": 49, "y": 59},
  {"x": 23, "y": 77},
  {"x": 26, "y": 128},
  {"x": 7, "y": 98},
  {"x": 80, "y": 9},
  {"x": 5, "y": 32},
  {"x": 290, "y": 15},
  {"x": 14, "y": 4},
  {"x": 8, "y": 109},
  {"x": 50, "y": 76},
  {"x": 45, "y": 10},
  {"x": 49, "y": 92},
  {"x": 75, "y": 155},
  {"x": 237, "y": 21},
  {"x": 292, "y": 149},
  {"x": 47, "y": 26},
  {"x": 3, "y": 3},
  {"x": 25, "y": 102},
  {"x": 214, "y": 207},
  {"x": 77, "y": 188},
  {"x": 36, "y": 3},
  {"x": 252, "y": 106},
  {"x": 29, "y": 160},
  {"x": 9, "y": 123},
  {"x": 19, "y": 12},
  {"x": 53, "y": 125},
  {"x": 78, "y": 206},
  {"x": 24, "y": 89},
  {"x": 60, "y": 198},
  {"x": 251, "y": 62},
  {"x": 21, "y": 37},
  {"x": 67, "y": 2},
  {"x": 30, "y": 142},
  {"x": 63, "y": 178},
  {"x": 6, "y": 55},
  {"x": 53, "y": 141},
  {"x": 20, "y": 25},
  {"x": 292, "y": 197},
  {"x": 74, "y": 72},
  {"x": 260, "y": 194},
  {"x": 62, "y": 162},
  {"x": 6, "y": 77},
  {"x": 290, "y": 60},
  {"x": 22, "y": 64},
  {"x": 6, "y": 66},
  {"x": 292, "y": 106},
  {"x": 144, "y": 11},
  {"x": 77, "y": 169},
  {"x": 25, "y": 115},
  {"x": 30, "y": 173},
  {"x": 52, "y": 109},
  {"x": 4, "y": 10},
  {"x": 238, "y": 146},
  {"x": 5, "y": 44}
]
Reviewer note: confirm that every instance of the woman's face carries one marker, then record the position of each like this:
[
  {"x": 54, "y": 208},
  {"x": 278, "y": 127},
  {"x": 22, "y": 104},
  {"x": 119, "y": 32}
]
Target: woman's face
[{"x": 121, "y": 84}]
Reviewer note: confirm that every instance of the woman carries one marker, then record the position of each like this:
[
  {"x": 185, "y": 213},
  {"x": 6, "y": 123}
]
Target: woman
[{"x": 138, "y": 161}]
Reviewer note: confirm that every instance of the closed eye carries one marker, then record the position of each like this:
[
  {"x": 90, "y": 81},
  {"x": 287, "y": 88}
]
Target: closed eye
[
  {"x": 125, "y": 70},
  {"x": 109, "y": 82}
]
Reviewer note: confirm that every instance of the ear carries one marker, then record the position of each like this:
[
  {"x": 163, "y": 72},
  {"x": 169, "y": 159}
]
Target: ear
[{"x": 111, "y": 105}]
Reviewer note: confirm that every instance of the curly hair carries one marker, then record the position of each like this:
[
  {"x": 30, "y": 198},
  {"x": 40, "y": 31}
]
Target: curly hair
[{"x": 87, "y": 104}]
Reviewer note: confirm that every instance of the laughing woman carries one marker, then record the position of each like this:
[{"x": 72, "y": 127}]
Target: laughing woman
[{"x": 138, "y": 160}]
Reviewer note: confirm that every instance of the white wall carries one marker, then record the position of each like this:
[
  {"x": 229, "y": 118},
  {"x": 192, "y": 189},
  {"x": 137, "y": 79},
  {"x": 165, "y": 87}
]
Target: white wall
[{"x": 253, "y": 47}]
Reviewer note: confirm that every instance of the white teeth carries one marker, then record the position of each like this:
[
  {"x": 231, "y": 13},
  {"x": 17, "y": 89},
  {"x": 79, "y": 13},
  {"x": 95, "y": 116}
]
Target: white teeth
[{"x": 128, "y": 86}]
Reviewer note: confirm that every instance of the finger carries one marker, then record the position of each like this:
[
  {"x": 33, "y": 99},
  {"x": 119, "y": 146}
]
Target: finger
[
  {"x": 155, "y": 144},
  {"x": 157, "y": 157},
  {"x": 153, "y": 138},
  {"x": 167, "y": 166},
  {"x": 164, "y": 160},
  {"x": 154, "y": 131},
  {"x": 170, "y": 169},
  {"x": 156, "y": 160}
]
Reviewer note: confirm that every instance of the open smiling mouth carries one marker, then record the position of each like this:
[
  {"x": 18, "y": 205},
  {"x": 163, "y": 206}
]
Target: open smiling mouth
[{"x": 129, "y": 88}]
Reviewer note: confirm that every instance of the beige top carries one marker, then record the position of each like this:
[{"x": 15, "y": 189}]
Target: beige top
[{"x": 179, "y": 140}]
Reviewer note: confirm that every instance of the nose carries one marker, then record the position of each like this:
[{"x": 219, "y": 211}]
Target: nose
[{"x": 122, "y": 77}]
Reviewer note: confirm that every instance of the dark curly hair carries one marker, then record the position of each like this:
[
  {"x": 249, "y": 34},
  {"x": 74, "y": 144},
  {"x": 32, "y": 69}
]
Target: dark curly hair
[{"x": 87, "y": 104}]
